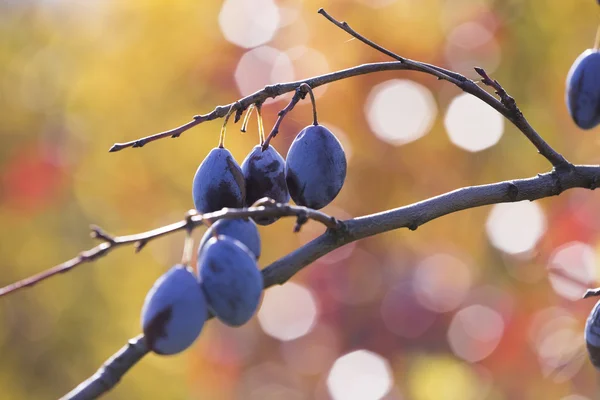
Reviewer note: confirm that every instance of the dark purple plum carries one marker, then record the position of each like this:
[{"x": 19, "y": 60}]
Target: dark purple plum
[
  {"x": 264, "y": 174},
  {"x": 174, "y": 312},
  {"x": 592, "y": 335},
  {"x": 315, "y": 167},
  {"x": 583, "y": 89},
  {"x": 241, "y": 229},
  {"x": 218, "y": 182},
  {"x": 230, "y": 279}
]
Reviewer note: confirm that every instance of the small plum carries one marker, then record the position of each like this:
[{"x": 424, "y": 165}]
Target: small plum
[
  {"x": 264, "y": 174},
  {"x": 174, "y": 312},
  {"x": 230, "y": 279},
  {"x": 218, "y": 182},
  {"x": 583, "y": 89},
  {"x": 242, "y": 229},
  {"x": 315, "y": 167},
  {"x": 592, "y": 335}
]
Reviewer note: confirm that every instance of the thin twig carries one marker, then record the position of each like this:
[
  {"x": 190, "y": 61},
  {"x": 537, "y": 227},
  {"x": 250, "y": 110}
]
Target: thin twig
[
  {"x": 300, "y": 93},
  {"x": 141, "y": 239},
  {"x": 506, "y": 106}
]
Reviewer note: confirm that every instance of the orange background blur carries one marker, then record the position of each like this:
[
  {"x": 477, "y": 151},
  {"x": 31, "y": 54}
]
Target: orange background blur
[{"x": 481, "y": 304}]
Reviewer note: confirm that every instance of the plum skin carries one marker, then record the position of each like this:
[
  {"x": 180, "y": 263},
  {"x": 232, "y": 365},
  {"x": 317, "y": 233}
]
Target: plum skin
[
  {"x": 315, "y": 167},
  {"x": 174, "y": 312},
  {"x": 592, "y": 335},
  {"x": 218, "y": 182},
  {"x": 583, "y": 89},
  {"x": 241, "y": 229},
  {"x": 230, "y": 279},
  {"x": 264, "y": 175}
]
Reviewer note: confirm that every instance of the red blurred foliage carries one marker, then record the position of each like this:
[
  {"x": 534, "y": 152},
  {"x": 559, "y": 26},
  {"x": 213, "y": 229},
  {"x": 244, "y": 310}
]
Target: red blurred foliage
[{"x": 31, "y": 180}]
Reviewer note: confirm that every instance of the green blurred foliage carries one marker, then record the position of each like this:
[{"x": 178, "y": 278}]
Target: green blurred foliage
[{"x": 78, "y": 76}]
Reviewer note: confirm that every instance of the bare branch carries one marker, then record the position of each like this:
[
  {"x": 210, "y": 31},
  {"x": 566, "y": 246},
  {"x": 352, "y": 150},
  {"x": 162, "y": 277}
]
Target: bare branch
[
  {"x": 111, "y": 371},
  {"x": 506, "y": 106},
  {"x": 192, "y": 220}
]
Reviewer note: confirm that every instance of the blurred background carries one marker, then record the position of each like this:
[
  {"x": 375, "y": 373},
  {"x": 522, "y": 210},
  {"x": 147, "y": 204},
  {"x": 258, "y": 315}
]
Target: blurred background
[{"x": 482, "y": 304}]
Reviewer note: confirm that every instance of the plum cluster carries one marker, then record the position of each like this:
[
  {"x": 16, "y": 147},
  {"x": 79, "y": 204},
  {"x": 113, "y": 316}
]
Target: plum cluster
[
  {"x": 227, "y": 282},
  {"x": 228, "y": 285},
  {"x": 312, "y": 175}
]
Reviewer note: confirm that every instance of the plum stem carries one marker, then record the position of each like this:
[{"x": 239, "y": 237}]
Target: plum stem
[
  {"x": 306, "y": 87},
  {"x": 224, "y": 126},
  {"x": 261, "y": 127},
  {"x": 247, "y": 118},
  {"x": 188, "y": 245}
]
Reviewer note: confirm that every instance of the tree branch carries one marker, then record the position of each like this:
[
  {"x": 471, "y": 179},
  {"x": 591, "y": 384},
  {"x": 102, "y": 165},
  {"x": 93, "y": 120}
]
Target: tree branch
[
  {"x": 506, "y": 106},
  {"x": 141, "y": 239},
  {"x": 411, "y": 216},
  {"x": 111, "y": 371}
]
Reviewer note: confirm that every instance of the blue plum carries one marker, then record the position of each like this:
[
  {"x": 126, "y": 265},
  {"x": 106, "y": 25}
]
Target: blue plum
[
  {"x": 583, "y": 89},
  {"x": 592, "y": 335},
  {"x": 315, "y": 167},
  {"x": 241, "y": 229},
  {"x": 218, "y": 182},
  {"x": 230, "y": 279},
  {"x": 174, "y": 312},
  {"x": 264, "y": 174}
]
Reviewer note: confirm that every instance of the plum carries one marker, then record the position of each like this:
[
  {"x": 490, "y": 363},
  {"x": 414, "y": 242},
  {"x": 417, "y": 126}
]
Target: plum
[
  {"x": 315, "y": 167},
  {"x": 264, "y": 174},
  {"x": 583, "y": 89},
  {"x": 230, "y": 279},
  {"x": 592, "y": 335},
  {"x": 174, "y": 312},
  {"x": 218, "y": 182},
  {"x": 242, "y": 229}
]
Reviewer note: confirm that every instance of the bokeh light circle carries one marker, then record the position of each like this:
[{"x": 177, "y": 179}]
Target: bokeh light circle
[
  {"x": 288, "y": 311},
  {"x": 572, "y": 269},
  {"x": 442, "y": 282},
  {"x": 249, "y": 23},
  {"x": 471, "y": 124},
  {"x": 360, "y": 375},
  {"x": 403, "y": 314},
  {"x": 475, "y": 332},
  {"x": 260, "y": 67},
  {"x": 400, "y": 111},
  {"x": 515, "y": 227}
]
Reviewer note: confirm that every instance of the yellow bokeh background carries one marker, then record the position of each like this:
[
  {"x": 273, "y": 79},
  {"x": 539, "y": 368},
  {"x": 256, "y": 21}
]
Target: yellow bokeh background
[{"x": 77, "y": 76}]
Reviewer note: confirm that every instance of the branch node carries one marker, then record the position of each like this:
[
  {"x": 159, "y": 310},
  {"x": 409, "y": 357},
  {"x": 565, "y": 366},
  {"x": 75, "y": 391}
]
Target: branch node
[
  {"x": 238, "y": 113},
  {"x": 413, "y": 226},
  {"x": 99, "y": 233},
  {"x": 513, "y": 191},
  {"x": 594, "y": 183},
  {"x": 139, "y": 245},
  {"x": 556, "y": 183},
  {"x": 301, "y": 219},
  {"x": 189, "y": 220}
]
